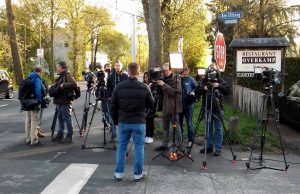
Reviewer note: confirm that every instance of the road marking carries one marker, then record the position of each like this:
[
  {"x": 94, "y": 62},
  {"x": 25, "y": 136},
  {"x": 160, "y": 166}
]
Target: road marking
[
  {"x": 71, "y": 180},
  {"x": 56, "y": 156},
  {"x": 3, "y": 105}
]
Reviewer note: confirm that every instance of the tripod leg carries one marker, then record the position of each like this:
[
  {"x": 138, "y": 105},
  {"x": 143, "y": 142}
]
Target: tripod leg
[
  {"x": 262, "y": 141},
  {"x": 90, "y": 124},
  {"x": 258, "y": 126},
  {"x": 54, "y": 122},
  {"x": 76, "y": 118},
  {"x": 200, "y": 117},
  {"x": 227, "y": 138}
]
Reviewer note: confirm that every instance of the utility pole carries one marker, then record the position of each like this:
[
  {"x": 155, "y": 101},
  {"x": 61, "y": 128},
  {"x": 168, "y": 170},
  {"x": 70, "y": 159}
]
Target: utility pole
[
  {"x": 261, "y": 19},
  {"x": 133, "y": 39},
  {"x": 51, "y": 66}
]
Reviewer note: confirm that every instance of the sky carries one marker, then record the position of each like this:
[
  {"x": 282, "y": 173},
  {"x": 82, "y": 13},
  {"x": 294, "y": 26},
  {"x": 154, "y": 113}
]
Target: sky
[{"x": 124, "y": 21}]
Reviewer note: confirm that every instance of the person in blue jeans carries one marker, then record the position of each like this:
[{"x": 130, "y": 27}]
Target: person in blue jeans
[
  {"x": 188, "y": 85},
  {"x": 114, "y": 78},
  {"x": 66, "y": 83},
  {"x": 220, "y": 89},
  {"x": 128, "y": 104}
]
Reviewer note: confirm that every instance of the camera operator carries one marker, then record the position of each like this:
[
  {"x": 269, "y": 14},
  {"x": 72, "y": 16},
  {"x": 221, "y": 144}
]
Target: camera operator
[
  {"x": 188, "y": 85},
  {"x": 128, "y": 111},
  {"x": 115, "y": 77},
  {"x": 220, "y": 87},
  {"x": 171, "y": 88},
  {"x": 63, "y": 93}
]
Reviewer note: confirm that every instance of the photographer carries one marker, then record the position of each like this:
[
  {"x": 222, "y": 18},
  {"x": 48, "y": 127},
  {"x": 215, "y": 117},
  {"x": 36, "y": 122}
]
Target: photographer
[
  {"x": 128, "y": 111},
  {"x": 219, "y": 87},
  {"x": 171, "y": 88},
  {"x": 188, "y": 85},
  {"x": 115, "y": 77},
  {"x": 63, "y": 93}
]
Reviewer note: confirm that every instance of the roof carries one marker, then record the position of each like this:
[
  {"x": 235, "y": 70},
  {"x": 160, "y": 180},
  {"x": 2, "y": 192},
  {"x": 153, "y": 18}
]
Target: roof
[{"x": 259, "y": 42}]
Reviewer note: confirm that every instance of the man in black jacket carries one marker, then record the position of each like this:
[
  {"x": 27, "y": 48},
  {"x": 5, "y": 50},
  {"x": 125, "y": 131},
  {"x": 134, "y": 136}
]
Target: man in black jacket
[
  {"x": 129, "y": 101},
  {"x": 66, "y": 84},
  {"x": 220, "y": 88}
]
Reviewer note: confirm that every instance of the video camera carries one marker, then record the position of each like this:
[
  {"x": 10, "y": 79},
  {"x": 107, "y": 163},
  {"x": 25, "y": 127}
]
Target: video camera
[
  {"x": 269, "y": 76},
  {"x": 211, "y": 74},
  {"x": 155, "y": 74}
]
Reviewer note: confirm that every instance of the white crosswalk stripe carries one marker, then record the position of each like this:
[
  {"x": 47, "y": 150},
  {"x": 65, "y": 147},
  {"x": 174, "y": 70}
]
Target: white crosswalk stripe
[{"x": 71, "y": 180}]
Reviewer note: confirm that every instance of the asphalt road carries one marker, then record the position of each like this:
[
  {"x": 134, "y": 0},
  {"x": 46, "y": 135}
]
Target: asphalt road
[{"x": 66, "y": 168}]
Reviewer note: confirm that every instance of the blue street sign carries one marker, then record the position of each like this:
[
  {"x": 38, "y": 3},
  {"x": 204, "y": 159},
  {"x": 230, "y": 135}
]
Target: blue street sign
[{"x": 230, "y": 15}]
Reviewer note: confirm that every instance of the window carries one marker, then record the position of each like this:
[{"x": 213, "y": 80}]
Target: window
[{"x": 295, "y": 90}]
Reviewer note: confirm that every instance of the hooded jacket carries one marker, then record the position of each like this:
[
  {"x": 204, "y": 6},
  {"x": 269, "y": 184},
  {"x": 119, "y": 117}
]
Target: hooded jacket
[{"x": 36, "y": 86}]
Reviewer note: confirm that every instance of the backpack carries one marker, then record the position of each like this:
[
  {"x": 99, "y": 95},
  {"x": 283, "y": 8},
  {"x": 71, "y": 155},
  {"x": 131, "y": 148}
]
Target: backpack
[
  {"x": 27, "y": 100},
  {"x": 72, "y": 94}
]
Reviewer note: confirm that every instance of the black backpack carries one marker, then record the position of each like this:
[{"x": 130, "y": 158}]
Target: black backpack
[{"x": 26, "y": 96}]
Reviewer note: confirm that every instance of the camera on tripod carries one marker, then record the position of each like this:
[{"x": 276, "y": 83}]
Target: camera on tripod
[
  {"x": 211, "y": 74},
  {"x": 155, "y": 74},
  {"x": 89, "y": 77},
  {"x": 269, "y": 76}
]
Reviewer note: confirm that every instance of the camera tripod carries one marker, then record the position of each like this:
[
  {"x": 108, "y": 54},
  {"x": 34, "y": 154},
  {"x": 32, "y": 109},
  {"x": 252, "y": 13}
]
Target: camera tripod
[
  {"x": 53, "y": 125},
  {"x": 106, "y": 125},
  {"x": 87, "y": 105},
  {"x": 211, "y": 101},
  {"x": 262, "y": 128},
  {"x": 173, "y": 156}
]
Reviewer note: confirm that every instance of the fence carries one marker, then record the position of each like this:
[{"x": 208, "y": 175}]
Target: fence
[{"x": 250, "y": 101}]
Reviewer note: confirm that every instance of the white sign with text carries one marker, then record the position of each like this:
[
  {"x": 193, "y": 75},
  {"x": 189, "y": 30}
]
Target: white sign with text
[{"x": 246, "y": 60}]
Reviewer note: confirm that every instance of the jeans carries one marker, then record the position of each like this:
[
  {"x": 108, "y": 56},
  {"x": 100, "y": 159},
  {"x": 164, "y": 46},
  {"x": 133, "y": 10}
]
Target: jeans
[
  {"x": 137, "y": 131},
  {"x": 215, "y": 121},
  {"x": 167, "y": 119},
  {"x": 64, "y": 117},
  {"x": 187, "y": 113}
]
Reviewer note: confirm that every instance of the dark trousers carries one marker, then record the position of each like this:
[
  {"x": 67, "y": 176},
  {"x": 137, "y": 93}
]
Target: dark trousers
[
  {"x": 65, "y": 118},
  {"x": 149, "y": 126},
  {"x": 187, "y": 113}
]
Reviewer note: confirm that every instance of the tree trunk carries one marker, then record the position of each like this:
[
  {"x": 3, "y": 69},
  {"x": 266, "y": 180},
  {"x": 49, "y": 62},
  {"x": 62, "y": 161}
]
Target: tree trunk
[
  {"x": 154, "y": 32},
  {"x": 13, "y": 42},
  {"x": 74, "y": 55},
  {"x": 51, "y": 65}
]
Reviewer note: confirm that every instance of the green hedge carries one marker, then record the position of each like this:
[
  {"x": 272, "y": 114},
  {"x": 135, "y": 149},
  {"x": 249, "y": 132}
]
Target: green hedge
[{"x": 292, "y": 69}]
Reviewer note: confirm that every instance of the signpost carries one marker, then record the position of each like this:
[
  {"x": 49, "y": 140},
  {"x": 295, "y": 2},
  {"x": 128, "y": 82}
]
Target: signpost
[
  {"x": 230, "y": 17},
  {"x": 220, "y": 52}
]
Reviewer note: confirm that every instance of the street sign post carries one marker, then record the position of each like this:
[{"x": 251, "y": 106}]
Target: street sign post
[
  {"x": 220, "y": 52},
  {"x": 230, "y": 15}
]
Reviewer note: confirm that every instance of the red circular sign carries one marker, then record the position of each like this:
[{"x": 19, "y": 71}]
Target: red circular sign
[{"x": 220, "y": 52}]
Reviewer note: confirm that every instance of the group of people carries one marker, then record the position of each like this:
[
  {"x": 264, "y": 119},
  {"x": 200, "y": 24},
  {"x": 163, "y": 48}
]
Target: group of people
[
  {"x": 129, "y": 100},
  {"x": 64, "y": 84}
]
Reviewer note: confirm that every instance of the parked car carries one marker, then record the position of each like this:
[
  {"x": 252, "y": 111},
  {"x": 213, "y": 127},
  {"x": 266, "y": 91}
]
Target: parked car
[
  {"x": 6, "y": 88},
  {"x": 289, "y": 106}
]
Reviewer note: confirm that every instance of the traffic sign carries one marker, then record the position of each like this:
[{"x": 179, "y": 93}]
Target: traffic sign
[
  {"x": 40, "y": 53},
  {"x": 230, "y": 15},
  {"x": 220, "y": 52},
  {"x": 230, "y": 21}
]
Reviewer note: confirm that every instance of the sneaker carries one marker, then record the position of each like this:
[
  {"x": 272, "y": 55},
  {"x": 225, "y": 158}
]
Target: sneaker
[
  {"x": 149, "y": 140},
  {"x": 58, "y": 138},
  {"x": 143, "y": 178},
  {"x": 217, "y": 153},
  {"x": 208, "y": 150},
  {"x": 39, "y": 134},
  {"x": 146, "y": 139},
  {"x": 189, "y": 146},
  {"x": 28, "y": 142},
  {"x": 161, "y": 148},
  {"x": 37, "y": 143},
  {"x": 117, "y": 179},
  {"x": 69, "y": 139}
]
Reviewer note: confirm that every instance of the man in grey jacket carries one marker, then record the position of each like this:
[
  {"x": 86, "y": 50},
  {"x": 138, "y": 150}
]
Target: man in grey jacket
[{"x": 172, "y": 105}]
